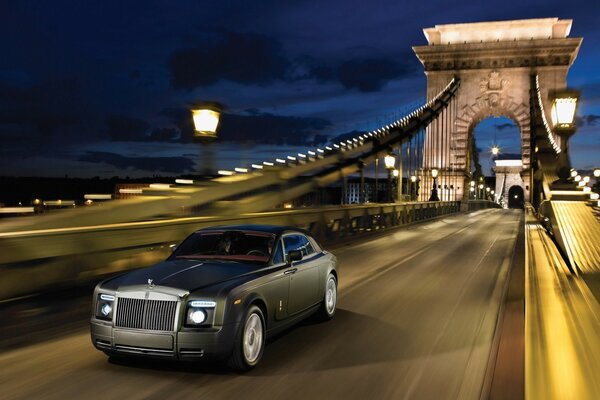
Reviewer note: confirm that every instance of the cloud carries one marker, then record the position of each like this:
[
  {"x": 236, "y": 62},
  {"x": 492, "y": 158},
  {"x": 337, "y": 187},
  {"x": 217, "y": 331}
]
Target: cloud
[
  {"x": 256, "y": 127},
  {"x": 588, "y": 120},
  {"x": 346, "y": 136},
  {"x": 245, "y": 58},
  {"x": 123, "y": 128},
  {"x": 506, "y": 126},
  {"x": 165, "y": 135},
  {"x": 154, "y": 164},
  {"x": 365, "y": 75}
]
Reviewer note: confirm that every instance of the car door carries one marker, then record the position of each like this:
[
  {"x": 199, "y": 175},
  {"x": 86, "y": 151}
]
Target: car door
[{"x": 303, "y": 274}]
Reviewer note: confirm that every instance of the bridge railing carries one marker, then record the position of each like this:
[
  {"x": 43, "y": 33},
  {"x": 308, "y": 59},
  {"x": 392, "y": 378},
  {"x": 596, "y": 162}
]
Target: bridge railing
[
  {"x": 475, "y": 205},
  {"x": 42, "y": 259}
]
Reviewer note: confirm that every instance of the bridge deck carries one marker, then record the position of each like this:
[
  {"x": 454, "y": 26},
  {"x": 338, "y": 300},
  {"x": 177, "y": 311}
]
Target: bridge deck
[
  {"x": 579, "y": 231},
  {"x": 562, "y": 327},
  {"x": 417, "y": 314}
]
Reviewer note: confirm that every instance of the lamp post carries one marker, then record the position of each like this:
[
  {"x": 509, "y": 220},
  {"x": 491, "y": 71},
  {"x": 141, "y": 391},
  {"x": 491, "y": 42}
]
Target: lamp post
[
  {"x": 390, "y": 162},
  {"x": 562, "y": 113},
  {"x": 413, "y": 180},
  {"x": 472, "y": 189},
  {"x": 480, "y": 193},
  {"x": 434, "y": 193},
  {"x": 206, "y": 121}
]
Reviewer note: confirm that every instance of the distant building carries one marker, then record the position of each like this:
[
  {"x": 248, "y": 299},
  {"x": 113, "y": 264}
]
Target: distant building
[{"x": 129, "y": 190}]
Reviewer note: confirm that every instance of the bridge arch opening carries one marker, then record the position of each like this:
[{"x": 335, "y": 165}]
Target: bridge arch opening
[
  {"x": 516, "y": 197},
  {"x": 494, "y": 138}
]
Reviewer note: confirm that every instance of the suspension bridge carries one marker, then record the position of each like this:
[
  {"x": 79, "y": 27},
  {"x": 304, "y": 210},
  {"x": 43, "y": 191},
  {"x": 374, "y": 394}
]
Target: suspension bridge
[{"x": 442, "y": 296}]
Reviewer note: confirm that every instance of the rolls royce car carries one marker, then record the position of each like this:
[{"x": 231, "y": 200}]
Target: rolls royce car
[{"x": 219, "y": 295}]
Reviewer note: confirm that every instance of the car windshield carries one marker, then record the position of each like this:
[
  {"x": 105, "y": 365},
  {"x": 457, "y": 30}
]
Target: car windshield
[{"x": 228, "y": 245}]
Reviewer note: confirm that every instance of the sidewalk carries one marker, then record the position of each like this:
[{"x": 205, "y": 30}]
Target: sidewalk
[{"x": 562, "y": 325}]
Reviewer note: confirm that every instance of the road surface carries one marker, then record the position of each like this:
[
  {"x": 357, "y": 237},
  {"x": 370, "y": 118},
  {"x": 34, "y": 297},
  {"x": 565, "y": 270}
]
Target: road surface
[{"x": 416, "y": 317}]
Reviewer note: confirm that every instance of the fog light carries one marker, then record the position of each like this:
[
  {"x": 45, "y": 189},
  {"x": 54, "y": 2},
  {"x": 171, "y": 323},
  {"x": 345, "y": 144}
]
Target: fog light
[{"x": 197, "y": 316}]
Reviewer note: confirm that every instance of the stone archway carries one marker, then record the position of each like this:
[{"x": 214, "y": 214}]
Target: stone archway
[
  {"x": 516, "y": 197},
  {"x": 495, "y": 62}
]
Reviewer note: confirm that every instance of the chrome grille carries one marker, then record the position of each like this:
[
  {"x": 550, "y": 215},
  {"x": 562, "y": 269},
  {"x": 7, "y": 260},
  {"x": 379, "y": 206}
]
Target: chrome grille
[{"x": 156, "y": 315}]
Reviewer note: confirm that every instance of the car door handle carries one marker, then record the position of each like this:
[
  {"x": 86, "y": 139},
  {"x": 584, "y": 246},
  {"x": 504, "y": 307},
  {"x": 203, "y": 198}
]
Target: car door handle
[{"x": 291, "y": 271}]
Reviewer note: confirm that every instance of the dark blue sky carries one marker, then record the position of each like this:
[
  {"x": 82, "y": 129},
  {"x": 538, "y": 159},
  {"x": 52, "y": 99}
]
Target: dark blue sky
[{"x": 102, "y": 88}]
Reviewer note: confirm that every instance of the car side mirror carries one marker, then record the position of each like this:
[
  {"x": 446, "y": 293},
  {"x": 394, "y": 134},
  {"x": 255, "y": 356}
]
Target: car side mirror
[
  {"x": 173, "y": 247},
  {"x": 294, "y": 255}
]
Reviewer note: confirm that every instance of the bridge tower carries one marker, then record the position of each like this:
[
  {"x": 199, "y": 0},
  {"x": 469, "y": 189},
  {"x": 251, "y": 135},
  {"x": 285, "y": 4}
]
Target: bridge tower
[{"x": 495, "y": 62}]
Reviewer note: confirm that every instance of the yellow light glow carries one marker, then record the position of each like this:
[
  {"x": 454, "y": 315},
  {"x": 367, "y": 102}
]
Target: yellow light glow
[
  {"x": 395, "y": 173},
  {"x": 413, "y": 178},
  {"x": 495, "y": 150},
  {"x": 487, "y": 189},
  {"x": 206, "y": 122},
  {"x": 390, "y": 161},
  {"x": 237, "y": 301},
  {"x": 587, "y": 189},
  {"x": 574, "y": 173},
  {"x": 287, "y": 205},
  {"x": 594, "y": 196},
  {"x": 481, "y": 186},
  {"x": 577, "y": 178},
  {"x": 597, "y": 172},
  {"x": 581, "y": 183},
  {"x": 472, "y": 183},
  {"x": 434, "y": 172},
  {"x": 586, "y": 179},
  {"x": 563, "y": 112}
]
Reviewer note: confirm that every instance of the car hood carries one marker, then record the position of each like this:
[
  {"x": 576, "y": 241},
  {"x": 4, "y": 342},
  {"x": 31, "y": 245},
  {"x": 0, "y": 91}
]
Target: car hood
[{"x": 184, "y": 274}]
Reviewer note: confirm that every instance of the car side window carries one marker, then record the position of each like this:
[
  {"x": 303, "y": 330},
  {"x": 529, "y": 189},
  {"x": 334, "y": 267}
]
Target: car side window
[
  {"x": 278, "y": 254},
  {"x": 298, "y": 242}
]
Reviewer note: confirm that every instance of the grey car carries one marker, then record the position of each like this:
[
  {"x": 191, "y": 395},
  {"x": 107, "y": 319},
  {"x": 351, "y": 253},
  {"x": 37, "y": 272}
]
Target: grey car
[{"x": 220, "y": 294}]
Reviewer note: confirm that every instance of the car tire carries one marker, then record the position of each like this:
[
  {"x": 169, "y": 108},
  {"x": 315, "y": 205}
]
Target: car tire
[
  {"x": 329, "y": 303},
  {"x": 249, "y": 342}
]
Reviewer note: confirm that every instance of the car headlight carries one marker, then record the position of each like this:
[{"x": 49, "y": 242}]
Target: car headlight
[
  {"x": 200, "y": 312},
  {"x": 105, "y": 306}
]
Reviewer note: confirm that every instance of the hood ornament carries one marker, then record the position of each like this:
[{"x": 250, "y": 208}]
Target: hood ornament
[{"x": 151, "y": 284}]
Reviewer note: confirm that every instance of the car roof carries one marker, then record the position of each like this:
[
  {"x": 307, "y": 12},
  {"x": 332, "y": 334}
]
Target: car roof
[{"x": 275, "y": 229}]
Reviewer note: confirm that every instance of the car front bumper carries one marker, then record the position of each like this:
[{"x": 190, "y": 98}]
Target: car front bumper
[{"x": 182, "y": 345}]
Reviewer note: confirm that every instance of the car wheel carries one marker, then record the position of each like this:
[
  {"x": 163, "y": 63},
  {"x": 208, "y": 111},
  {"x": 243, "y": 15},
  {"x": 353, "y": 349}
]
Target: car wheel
[
  {"x": 249, "y": 342},
  {"x": 329, "y": 304}
]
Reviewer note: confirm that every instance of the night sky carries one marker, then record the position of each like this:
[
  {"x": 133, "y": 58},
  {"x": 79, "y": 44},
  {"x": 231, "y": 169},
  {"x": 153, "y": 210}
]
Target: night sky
[{"x": 102, "y": 88}]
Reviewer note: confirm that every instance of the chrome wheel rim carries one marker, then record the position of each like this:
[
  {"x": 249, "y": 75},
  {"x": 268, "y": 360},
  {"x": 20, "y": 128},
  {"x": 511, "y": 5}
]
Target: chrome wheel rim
[
  {"x": 253, "y": 334},
  {"x": 330, "y": 296}
]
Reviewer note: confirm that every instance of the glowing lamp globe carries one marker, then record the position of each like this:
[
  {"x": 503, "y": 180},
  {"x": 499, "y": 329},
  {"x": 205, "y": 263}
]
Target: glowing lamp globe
[
  {"x": 206, "y": 120},
  {"x": 563, "y": 112},
  {"x": 390, "y": 161}
]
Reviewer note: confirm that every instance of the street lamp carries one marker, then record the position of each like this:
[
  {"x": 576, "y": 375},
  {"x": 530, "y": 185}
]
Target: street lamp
[
  {"x": 480, "y": 193},
  {"x": 390, "y": 163},
  {"x": 434, "y": 193},
  {"x": 562, "y": 114},
  {"x": 495, "y": 150},
  {"x": 413, "y": 180},
  {"x": 597, "y": 172},
  {"x": 206, "y": 121}
]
